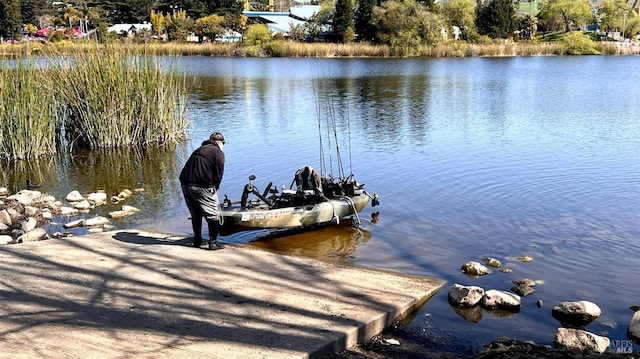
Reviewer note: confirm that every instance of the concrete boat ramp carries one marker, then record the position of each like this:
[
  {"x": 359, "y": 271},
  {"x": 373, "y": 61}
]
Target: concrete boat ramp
[{"x": 142, "y": 294}]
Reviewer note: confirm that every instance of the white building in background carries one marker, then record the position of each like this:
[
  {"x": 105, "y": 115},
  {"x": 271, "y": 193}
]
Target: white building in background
[
  {"x": 229, "y": 36},
  {"x": 129, "y": 29}
]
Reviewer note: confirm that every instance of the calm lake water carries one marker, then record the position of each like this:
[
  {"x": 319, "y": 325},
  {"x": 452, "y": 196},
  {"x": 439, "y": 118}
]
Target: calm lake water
[{"x": 471, "y": 158}]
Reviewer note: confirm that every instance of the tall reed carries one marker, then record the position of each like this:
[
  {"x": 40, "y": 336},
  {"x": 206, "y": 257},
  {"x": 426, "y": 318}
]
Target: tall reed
[
  {"x": 281, "y": 48},
  {"x": 27, "y": 111},
  {"x": 110, "y": 97},
  {"x": 193, "y": 49}
]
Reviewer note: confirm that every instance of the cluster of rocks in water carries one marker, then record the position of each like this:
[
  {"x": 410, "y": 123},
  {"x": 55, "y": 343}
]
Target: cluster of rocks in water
[
  {"x": 469, "y": 301},
  {"x": 23, "y": 214}
]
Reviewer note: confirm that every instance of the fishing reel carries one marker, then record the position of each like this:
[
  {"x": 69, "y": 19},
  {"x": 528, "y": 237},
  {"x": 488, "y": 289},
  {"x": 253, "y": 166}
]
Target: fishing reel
[{"x": 375, "y": 200}]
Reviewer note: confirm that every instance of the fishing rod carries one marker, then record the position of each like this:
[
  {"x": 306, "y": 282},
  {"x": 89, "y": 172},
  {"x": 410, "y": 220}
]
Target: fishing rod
[{"x": 327, "y": 111}]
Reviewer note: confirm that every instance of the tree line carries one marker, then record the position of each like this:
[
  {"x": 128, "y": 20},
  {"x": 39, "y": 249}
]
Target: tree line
[{"x": 398, "y": 23}]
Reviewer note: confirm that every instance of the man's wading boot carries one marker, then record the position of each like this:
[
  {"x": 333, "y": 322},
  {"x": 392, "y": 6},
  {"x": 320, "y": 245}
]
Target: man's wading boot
[
  {"x": 214, "y": 229},
  {"x": 213, "y": 245},
  {"x": 196, "y": 224}
]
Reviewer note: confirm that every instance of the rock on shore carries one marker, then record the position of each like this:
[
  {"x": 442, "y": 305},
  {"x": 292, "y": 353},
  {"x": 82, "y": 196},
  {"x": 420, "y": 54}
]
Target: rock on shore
[
  {"x": 465, "y": 296},
  {"x": 23, "y": 212},
  {"x": 474, "y": 269},
  {"x": 507, "y": 348},
  {"x": 578, "y": 313},
  {"x": 580, "y": 340},
  {"x": 634, "y": 325},
  {"x": 497, "y": 299}
]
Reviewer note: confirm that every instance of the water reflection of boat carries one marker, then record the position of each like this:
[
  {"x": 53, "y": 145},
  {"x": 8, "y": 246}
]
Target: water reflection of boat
[{"x": 338, "y": 242}]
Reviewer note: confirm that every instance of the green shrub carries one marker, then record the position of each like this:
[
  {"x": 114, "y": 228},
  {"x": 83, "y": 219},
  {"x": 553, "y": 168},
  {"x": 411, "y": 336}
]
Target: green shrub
[
  {"x": 576, "y": 43},
  {"x": 257, "y": 34},
  {"x": 277, "y": 48},
  {"x": 256, "y": 51},
  {"x": 57, "y": 36},
  {"x": 349, "y": 35}
]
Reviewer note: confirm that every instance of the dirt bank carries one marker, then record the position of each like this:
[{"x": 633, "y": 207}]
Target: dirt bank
[{"x": 428, "y": 345}]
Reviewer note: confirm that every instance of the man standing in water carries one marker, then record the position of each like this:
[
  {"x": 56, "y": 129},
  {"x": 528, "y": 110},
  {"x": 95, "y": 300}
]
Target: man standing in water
[{"x": 200, "y": 179}]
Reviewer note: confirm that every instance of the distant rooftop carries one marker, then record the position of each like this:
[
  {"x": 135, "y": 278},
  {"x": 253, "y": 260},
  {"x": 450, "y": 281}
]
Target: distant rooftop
[
  {"x": 282, "y": 22},
  {"x": 122, "y": 28}
]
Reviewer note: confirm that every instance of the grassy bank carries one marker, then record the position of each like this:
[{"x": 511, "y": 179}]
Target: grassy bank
[{"x": 558, "y": 45}]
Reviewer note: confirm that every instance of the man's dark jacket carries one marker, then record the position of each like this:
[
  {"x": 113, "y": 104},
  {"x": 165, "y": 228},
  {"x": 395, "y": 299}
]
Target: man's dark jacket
[{"x": 205, "y": 166}]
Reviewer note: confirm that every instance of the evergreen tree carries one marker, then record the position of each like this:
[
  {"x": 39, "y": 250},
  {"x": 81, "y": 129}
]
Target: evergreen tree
[
  {"x": 224, "y": 7},
  {"x": 230, "y": 9},
  {"x": 343, "y": 19},
  {"x": 364, "y": 29},
  {"x": 496, "y": 18},
  {"x": 31, "y": 10},
  {"x": 10, "y": 20},
  {"x": 195, "y": 8},
  {"x": 123, "y": 11}
]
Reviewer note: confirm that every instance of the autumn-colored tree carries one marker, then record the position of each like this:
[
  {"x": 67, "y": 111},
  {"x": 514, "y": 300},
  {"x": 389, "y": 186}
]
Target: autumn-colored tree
[
  {"x": 72, "y": 15},
  {"x": 180, "y": 26},
  {"x": 30, "y": 29},
  {"x": 157, "y": 20},
  {"x": 209, "y": 27}
]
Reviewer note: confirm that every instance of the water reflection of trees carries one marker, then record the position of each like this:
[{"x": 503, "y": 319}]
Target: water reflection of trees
[
  {"x": 378, "y": 104},
  {"x": 154, "y": 169},
  {"x": 374, "y": 105},
  {"x": 14, "y": 174},
  {"x": 206, "y": 88},
  {"x": 113, "y": 170}
]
